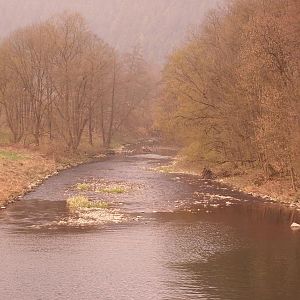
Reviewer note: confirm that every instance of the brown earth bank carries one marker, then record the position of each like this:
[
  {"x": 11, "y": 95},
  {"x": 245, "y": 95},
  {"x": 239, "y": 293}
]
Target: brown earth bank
[
  {"x": 277, "y": 189},
  {"x": 23, "y": 169},
  {"x": 249, "y": 180}
]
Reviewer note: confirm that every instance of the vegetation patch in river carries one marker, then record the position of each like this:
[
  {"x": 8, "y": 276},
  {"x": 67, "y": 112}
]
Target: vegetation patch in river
[
  {"x": 86, "y": 212},
  {"x": 112, "y": 190},
  {"x": 95, "y": 202},
  {"x": 92, "y": 217},
  {"x": 105, "y": 187},
  {"x": 79, "y": 202},
  {"x": 84, "y": 186}
]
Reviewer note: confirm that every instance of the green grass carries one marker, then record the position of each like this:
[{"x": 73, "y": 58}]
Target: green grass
[
  {"x": 84, "y": 186},
  {"x": 11, "y": 155},
  {"x": 112, "y": 190},
  {"x": 79, "y": 202}
]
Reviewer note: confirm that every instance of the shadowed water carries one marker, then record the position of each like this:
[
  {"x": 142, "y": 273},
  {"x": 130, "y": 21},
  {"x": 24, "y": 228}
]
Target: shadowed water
[{"x": 172, "y": 236}]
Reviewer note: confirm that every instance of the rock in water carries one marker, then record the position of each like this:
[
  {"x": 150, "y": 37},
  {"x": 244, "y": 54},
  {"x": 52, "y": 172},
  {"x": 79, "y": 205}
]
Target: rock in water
[{"x": 295, "y": 226}]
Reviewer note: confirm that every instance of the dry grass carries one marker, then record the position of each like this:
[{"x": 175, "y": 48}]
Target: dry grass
[{"x": 20, "y": 169}]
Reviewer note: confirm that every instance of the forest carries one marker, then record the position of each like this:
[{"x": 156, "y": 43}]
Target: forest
[
  {"x": 230, "y": 95},
  {"x": 150, "y": 149},
  {"x": 60, "y": 83}
]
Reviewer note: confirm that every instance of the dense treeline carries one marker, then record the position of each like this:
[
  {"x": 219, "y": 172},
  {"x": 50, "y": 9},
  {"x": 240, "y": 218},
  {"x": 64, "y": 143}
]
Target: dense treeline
[
  {"x": 60, "y": 82},
  {"x": 232, "y": 92}
]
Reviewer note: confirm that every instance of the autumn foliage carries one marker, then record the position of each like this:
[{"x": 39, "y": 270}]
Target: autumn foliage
[
  {"x": 231, "y": 93},
  {"x": 59, "y": 82}
]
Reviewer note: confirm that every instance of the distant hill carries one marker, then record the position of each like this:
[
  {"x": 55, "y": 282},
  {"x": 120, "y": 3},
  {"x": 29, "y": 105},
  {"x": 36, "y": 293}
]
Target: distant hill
[{"x": 156, "y": 26}]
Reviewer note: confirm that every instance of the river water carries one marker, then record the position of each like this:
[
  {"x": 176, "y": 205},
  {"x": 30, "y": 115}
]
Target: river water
[{"x": 169, "y": 236}]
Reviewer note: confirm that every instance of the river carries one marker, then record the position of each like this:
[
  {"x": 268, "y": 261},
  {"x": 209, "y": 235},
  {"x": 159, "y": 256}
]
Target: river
[{"x": 169, "y": 236}]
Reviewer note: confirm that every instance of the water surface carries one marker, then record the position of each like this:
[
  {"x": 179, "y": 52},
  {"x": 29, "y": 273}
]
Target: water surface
[{"x": 173, "y": 236}]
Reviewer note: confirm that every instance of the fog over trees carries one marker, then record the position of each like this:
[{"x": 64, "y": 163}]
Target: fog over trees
[
  {"x": 155, "y": 26},
  {"x": 85, "y": 69},
  {"x": 59, "y": 80}
]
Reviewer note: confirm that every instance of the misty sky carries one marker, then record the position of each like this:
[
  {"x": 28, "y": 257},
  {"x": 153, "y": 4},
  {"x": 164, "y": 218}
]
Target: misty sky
[{"x": 157, "y": 26}]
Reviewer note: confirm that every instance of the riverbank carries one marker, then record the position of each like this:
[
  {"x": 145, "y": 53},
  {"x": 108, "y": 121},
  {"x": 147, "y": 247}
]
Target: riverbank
[
  {"x": 153, "y": 227},
  {"x": 277, "y": 189},
  {"x": 23, "y": 169},
  {"x": 248, "y": 180}
]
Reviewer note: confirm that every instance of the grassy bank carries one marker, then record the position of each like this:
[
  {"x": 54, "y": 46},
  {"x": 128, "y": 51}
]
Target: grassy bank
[{"x": 22, "y": 169}]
